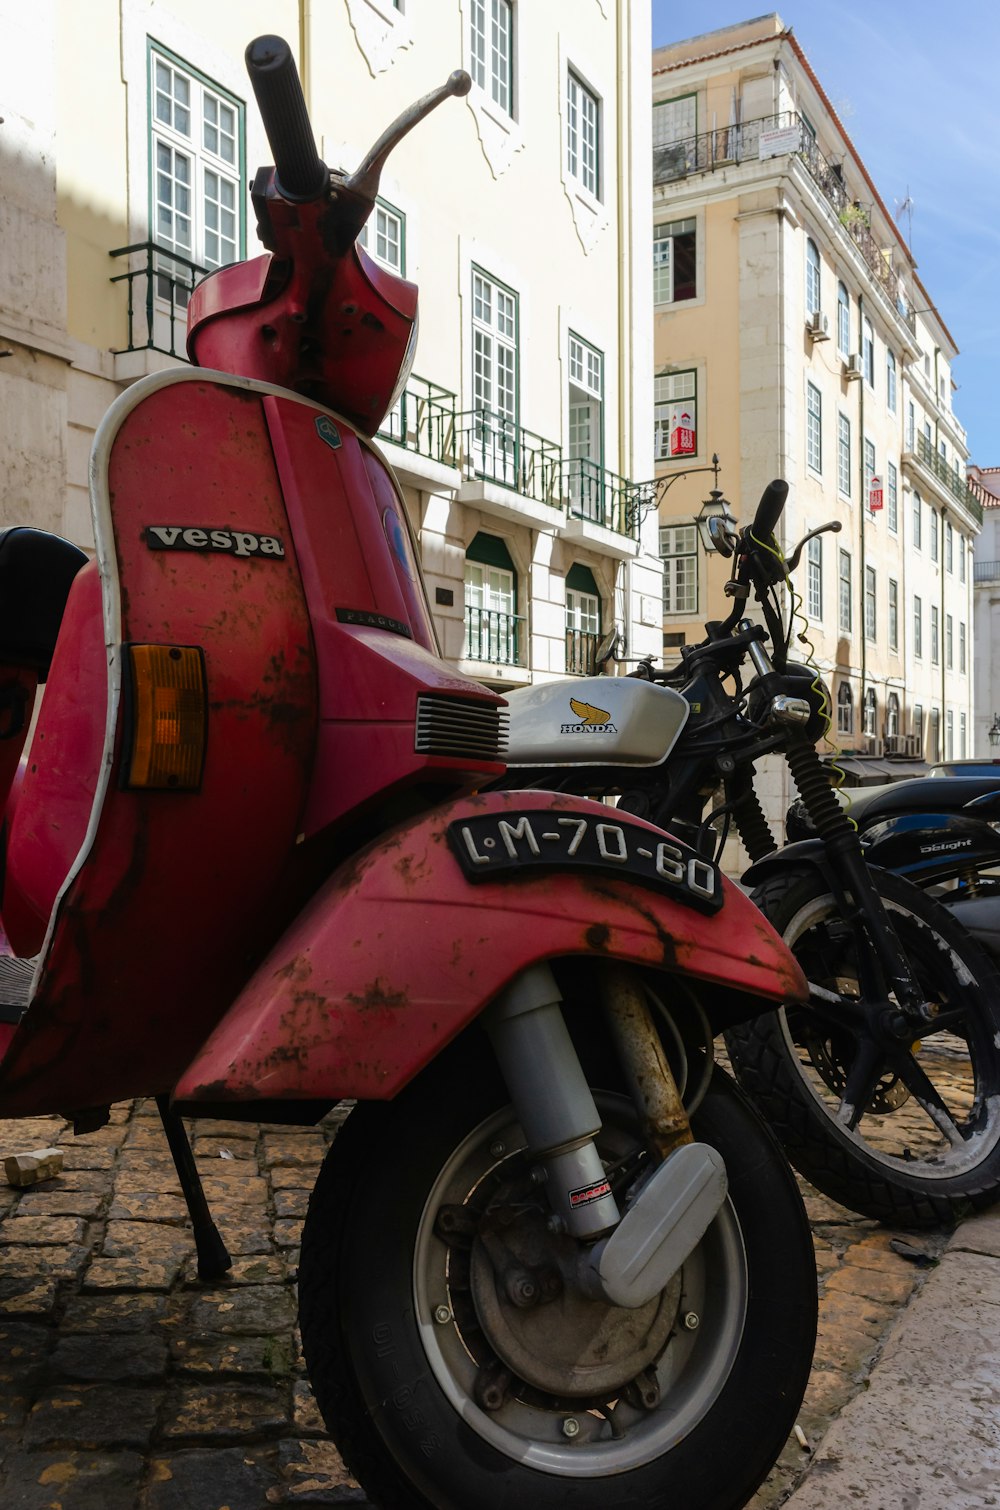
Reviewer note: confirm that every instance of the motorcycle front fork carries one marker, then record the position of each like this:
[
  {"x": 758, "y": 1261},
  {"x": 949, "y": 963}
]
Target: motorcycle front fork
[{"x": 554, "y": 1103}]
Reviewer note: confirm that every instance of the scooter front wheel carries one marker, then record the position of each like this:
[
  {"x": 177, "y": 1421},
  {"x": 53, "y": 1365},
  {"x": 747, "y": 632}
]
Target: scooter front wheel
[
  {"x": 907, "y": 1133},
  {"x": 454, "y": 1362}
]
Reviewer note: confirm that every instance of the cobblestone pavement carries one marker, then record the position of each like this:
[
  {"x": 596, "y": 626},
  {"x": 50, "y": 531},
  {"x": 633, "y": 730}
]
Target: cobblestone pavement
[{"x": 127, "y": 1384}]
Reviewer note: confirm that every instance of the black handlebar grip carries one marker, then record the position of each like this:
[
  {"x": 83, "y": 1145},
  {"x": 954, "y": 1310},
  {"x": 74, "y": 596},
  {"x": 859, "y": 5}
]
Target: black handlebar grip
[
  {"x": 772, "y": 501},
  {"x": 300, "y": 172}
]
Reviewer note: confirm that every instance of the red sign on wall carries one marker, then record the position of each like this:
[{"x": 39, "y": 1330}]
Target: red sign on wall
[
  {"x": 875, "y": 493},
  {"x": 682, "y": 434}
]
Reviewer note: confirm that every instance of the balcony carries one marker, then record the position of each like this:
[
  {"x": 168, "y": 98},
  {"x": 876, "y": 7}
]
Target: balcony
[
  {"x": 423, "y": 421},
  {"x": 986, "y": 571},
  {"x": 743, "y": 143},
  {"x": 492, "y": 637},
  {"x": 598, "y": 496},
  {"x": 953, "y": 481},
  {"x": 493, "y": 448},
  {"x": 159, "y": 287},
  {"x": 581, "y": 653}
]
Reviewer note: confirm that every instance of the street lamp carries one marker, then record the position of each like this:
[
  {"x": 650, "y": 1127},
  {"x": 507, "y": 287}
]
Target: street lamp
[{"x": 994, "y": 731}]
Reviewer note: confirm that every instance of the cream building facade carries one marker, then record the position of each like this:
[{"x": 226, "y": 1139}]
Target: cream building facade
[
  {"x": 792, "y": 331},
  {"x": 522, "y": 212}
]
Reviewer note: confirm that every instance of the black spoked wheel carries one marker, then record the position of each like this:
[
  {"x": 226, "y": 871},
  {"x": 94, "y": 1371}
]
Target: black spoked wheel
[
  {"x": 457, "y": 1365},
  {"x": 907, "y": 1133}
]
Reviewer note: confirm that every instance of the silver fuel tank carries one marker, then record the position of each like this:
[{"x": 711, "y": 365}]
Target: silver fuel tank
[{"x": 594, "y": 720}]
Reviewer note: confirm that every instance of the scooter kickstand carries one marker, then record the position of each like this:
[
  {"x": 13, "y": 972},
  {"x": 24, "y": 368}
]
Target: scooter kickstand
[{"x": 213, "y": 1255}]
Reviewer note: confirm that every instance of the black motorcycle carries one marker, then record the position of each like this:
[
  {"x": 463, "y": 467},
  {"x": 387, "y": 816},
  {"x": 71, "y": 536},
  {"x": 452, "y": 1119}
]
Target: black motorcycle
[{"x": 885, "y": 1087}]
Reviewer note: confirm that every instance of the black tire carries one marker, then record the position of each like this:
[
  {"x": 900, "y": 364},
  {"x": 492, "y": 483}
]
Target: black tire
[
  {"x": 386, "y": 1369},
  {"x": 897, "y": 1165}
]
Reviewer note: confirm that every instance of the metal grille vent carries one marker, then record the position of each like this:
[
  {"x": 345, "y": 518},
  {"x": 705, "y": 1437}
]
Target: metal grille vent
[{"x": 460, "y": 728}]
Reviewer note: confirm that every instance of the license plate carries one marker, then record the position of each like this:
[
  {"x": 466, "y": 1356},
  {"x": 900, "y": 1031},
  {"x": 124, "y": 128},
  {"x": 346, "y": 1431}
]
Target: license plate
[{"x": 498, "y": 844}]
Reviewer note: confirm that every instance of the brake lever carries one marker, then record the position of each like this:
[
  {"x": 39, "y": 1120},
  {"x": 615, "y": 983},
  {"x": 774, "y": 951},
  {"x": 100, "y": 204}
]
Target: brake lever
[{"x": 834, "y": 527}]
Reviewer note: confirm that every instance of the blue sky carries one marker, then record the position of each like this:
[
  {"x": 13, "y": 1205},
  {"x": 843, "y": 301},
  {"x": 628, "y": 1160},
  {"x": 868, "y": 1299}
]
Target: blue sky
[{"x": 918, "y": 88}]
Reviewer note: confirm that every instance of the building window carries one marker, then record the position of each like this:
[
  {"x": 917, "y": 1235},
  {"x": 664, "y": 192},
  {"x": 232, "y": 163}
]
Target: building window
[
  {"x": 674, "y": 120},
  {"x": 949, "y": 547},
  {"x": 844, "y": 454},
  {"x": 892, "y": 715},
  {"x": 679, "y": 551},
  {"x": 935, "y": 735},
  {"x": 949, "y": 726},
  {"x": 961, "y": 647},
  {"x": 812, "y": 279},
  {"x": 491, "y": 622},
  {"x": 197, "y": 174},
  {"x": 583, "y": 621},
  {"x": 918, "y": 727},
  {"x": 961, "y": 558},
  {"x": 845, "y": 709},
  {"x": 843, "y": 321},
  {"x": 869, "y": 470},
  {"x": 911, "y": 426},
  {"x": 383, "y": 237},
  {"x": 583, "y": 135},
  {"x": 868, "y": 352},
  {"x": 934, "y": 533},
  {"x": 918, "y": 628},
  {"x": 492, "y": 50},
  {"x": 961, "y": 736},
  {"x": 814, "y": 578},
  {"x": 844, "y": 594},
  {"x": 935, "y": 647},
  {"x": 917, "y": 522},
  {"x": 870, "y": 605},
  {"x": 893, "y": 491},
  {"x": 871, "y": 711},
  {"x": 893, "y": 615},
  {"x": 675, "y": 415},
  {"x": 494, "y": 375},
  {"x": 890, "y": 381},
  {"x": 674, "y": 262},
  {"x": 814, "y": 428},
  {"x": 586, "y": 429},
  {"x": 949, "y": 642}
]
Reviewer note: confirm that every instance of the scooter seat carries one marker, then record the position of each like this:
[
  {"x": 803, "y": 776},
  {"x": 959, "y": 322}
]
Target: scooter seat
[
  {"x": 921, "y": 795},
  {"x": 36, "y": 572}
]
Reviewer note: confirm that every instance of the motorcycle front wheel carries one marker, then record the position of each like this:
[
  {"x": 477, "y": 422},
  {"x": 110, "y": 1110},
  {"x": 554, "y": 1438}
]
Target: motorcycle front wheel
[
  {"x": 446, "y": 1383},
  {"x": 908, "y": 1134}
]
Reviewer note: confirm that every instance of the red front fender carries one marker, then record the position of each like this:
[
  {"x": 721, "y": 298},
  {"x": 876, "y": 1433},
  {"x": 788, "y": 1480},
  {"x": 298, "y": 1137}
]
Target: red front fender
[{"x": 399, "y": 951}]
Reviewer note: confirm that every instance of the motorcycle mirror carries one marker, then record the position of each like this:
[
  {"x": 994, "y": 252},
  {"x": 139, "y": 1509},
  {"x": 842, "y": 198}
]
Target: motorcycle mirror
[
  {"x": 722, "y": 534},
  {"x": 611, "y": 648}
]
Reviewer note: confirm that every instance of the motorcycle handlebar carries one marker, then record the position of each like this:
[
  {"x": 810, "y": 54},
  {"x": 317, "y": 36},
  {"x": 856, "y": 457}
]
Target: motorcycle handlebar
[
  {"x": 772, "y": 501},
  {"x": 299, "y": 170}
]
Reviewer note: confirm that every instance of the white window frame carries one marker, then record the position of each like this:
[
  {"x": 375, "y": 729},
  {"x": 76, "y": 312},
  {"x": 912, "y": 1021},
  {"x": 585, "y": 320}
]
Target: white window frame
[
  {"x": 868, "y": 351},
  {"x": 870, "y": 711},
  {"x": 843, "y": 320},
  {"x": 961, "y": 647},
  {"x": 871, "y": 604},
  {"x": 893, "y": 614},
  {"x": 583, "y": 134},
  {"x": 844, "y": 454},
  {"x": 918, "y": 521},
  {"x": 845, "y": 709},
  {"x": 814, "y": 578},
  {"x": 814, "y": 284},
  {"x": 844, "y": 591},
  {"x": 935, "y": 636},
  {"x": 215, "y": 190},
  {"x": 491, "y": 51},
  {"x": 664, "y": 259},
  {"x": 383, "y": 237},
  {"x": 890, "y": 380},
  {"x": 679, "y": 554},
  {"x": 918, "y": 627},
  {"x": 892, "y": 489},
  {"x": 669, "y": 391},
  {"x": 814, "y": 429}
]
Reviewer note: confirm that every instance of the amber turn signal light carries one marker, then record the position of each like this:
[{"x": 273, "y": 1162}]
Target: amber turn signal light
[{"x": 169, "y": 706}]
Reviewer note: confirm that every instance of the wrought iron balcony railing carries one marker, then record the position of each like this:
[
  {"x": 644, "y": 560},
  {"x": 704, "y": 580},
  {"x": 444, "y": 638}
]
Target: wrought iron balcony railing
[
  {"x": 159, "y": 287},
  {"x": 493, "y": 636},
  {"x": 602, "y": 497},
  {"x": 783, "y": 135},
  {"x": 423, "y": 420},
  {"x": 581, "y": 652},
  {"x": 951, "y": 477},
  {"x": 495, "y": 448}
]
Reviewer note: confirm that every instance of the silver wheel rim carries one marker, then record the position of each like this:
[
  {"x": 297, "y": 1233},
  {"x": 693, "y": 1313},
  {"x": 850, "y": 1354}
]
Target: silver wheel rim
[
  {"x": 691, "y": 1370},
  {"x": 932, "y": 1156}
]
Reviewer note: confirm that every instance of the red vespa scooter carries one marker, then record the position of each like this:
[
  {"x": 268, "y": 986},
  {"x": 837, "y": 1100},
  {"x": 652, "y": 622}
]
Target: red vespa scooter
[{"x": 553, "y": 1258}]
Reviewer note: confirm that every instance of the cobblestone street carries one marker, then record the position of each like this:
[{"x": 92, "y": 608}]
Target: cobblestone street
[{"x": 127, "y": 1384}]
